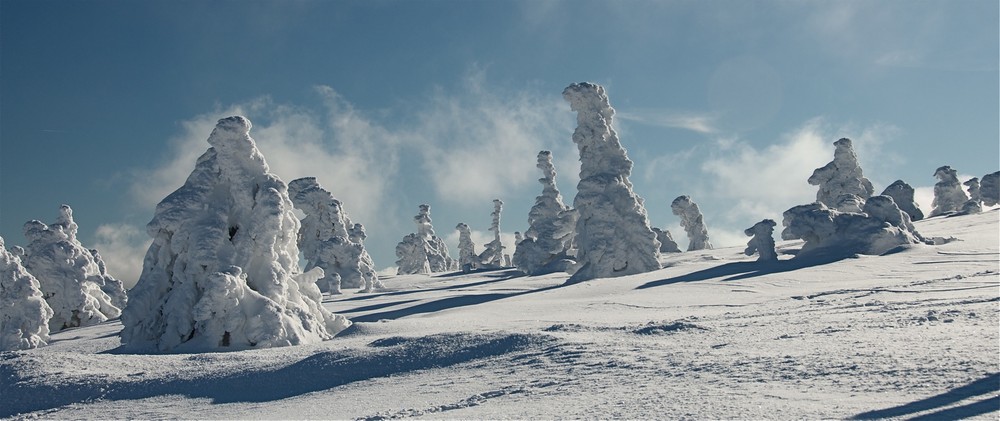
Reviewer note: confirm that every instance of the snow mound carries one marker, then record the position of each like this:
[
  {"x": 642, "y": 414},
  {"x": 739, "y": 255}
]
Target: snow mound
[
  {"x": 693, "y": 223},
  {"x": 222, "y": 272},
  {"x": 949, "y": 196},
  {"x": 422, "y": 251},
  {"x": 24, "y": 319},
  {"x": 71, "y": 279},
  {"x": 990, "y": 189},
  {"x": 880, "y": 228},
  {"x": 841, "y": 176},
  {"x": 326, "y": 240},
  {"x": 902, "y": 194},
  {"x": 613, "y": 236},
  {"x": 550, "y": 226},
  {"x": 762, "y": 242}
]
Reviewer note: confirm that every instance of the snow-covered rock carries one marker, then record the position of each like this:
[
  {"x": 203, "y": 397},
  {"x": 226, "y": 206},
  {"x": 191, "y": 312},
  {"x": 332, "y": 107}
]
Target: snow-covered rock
[
  {"x": 841, "y": 176},
  {"x": 613, "y": 236},
  {"x": 423, "y": 251},
  {"x": 989, "y": 187},
  {"x": 493, "y": 254},
  {"x": 550, "y": 225},
  {"x": 24, "y": 314},
  {"x": 667, "y": 243},
  {"x": 468, "y": 260},
  {"x": 975, "y": 202},
  {"x": 949, "y": 196},
  {"x": 222, "y": 272},
  {"x": 71, "y": 280},
  {"x": 326, "y": 239},
  {"x": 693, "y": 223},
  {"x": 762, "y": 242},
  {"x": 902, "y": 194},
  {"x": 879, "y": 228}
]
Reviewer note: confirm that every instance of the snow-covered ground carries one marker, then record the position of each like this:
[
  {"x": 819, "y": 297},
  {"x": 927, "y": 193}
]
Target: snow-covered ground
[{"x": 712, "y": 335}]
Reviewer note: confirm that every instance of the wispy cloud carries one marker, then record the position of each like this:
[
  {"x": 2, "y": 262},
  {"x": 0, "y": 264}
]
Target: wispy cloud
[
  {"x": 701, "y": 123},
  {"x": 122, "y": 246}
]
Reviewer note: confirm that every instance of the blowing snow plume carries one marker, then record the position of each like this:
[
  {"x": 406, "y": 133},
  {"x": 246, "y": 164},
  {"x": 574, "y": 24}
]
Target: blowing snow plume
[
  {"x": 222, "y": 272},
  {"x": 613, "y": 236}
]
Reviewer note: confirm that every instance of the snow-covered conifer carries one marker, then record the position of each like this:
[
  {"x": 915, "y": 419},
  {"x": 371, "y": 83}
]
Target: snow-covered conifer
[
  {"x": 493, "y": 254},
  {"x": 550, "y": 226},
  {"x": 841, "y": 176},
  {"x": 613, "y": 236},
  {"x": 949, "y": 196},
  {"x": 422, "y": 251},
  {"x": 667, "y": 243},
  {"x": 468, "y": 260},
  {"x": 693, "y": 223},
  {"x": 111, "y": 286},
  {"x": 24, "y": 314},
  {"x": 880, "y": 227},
  {"x": 71, "y": 280},
  {"x": 989, "y": 187},
  {"x": 902, "y": 194},
  {"x": 762, "y": 242},
  {"x": 975, "y": 202},
  {"x": 222, "y": 272},
  {"x": 357, "y": 235}
]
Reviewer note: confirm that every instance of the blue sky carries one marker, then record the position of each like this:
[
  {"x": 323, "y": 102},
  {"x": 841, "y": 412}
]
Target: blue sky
[{"x": 104, "y": 105}]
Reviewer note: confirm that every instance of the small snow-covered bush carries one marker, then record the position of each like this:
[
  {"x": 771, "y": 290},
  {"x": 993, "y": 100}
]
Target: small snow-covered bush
[
  {"x": 762, "y": 242},
  {"x": 551, "y": 224},
  {"x": 902, "y": 194},
  {"x": 24, "y": 314},
  {"x": 423, "y": 251},
  {"x": 841, "y": 176},
  {"x": 948, "y": 193},
  {"x": 693, "y": 223},
  {"x": 880, "y": 227}
]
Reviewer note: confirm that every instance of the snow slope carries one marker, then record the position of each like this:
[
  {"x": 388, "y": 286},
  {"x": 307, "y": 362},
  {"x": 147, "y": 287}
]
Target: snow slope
[{"x": 712, "y": 335}]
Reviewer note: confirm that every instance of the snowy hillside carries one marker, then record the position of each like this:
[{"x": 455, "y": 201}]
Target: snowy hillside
[{"x": 712, "y": 335}]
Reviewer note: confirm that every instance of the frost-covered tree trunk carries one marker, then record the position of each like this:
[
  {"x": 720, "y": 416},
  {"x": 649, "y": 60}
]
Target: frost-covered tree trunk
[
  {"x": 468, "y": 260},
  {"x": 222, "y": 272},
  {"x": 949, "y": 196},
  {"x": 989, "y": 187},
  {"x": 841, "y": 176},
  {"x": 493, "y": 254},
  {"x": 667, "y": 243},
  {"x": 975, "y": 202},
  {"x": 762, "y": 242},
  {"x": 24, "y": 314},
  {"x": 550, "y": 226},
  {"x": 423, "y": 251},
  {"x": 613, "y": 236},
  {"x": 902, "y": 194},
  {"x": 71, "y": 280},
  {"x": 693, "y": 223}
]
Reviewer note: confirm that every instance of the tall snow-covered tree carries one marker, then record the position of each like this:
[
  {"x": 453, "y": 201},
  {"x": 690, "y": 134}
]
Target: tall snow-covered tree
[
  {"x": 841, "y": 176},
  {"x": 24, "y": 314},
  {"x": 222, "y": 272},
  {"x": 949, "y": 196},
  {"x": 550, "y": 226},
  {"x": 613, "y": 235},
  {"x": 902, "y": 194},
  {"x": 693, "y": 222},
  {"x": 493, "y": 254},
  {"x": 423, "y": 251},
  {"x": 468, "y": 260}
]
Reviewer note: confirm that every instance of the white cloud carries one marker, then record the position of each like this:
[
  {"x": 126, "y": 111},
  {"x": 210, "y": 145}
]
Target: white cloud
[
  {"x": 701, "y": 123},
  {"x": 122, "y": 247}
]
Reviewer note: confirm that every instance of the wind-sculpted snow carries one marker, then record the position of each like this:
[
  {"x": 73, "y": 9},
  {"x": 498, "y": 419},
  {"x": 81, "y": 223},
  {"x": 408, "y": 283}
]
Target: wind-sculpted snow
[
  {"x": 422, "y": 251},
  {"x": 468, "y": 260},
  {"x": 613, "y": 236},
  {"x": 72, "y": 281},
  {"x": 989, "y": 187},
  {"x": 492, "y": 254},
  {"x": 550, "y": 226},
  {"x": 949, "y": 196},
  {"x": 762, "y": 242},
  {"x": 329, "y": 240},
  {"x": 693, "y": 223},
  {"x": 880, "y": 228},
  {"x": 841, "y": 176},
  {"x": 24, "y": 314},
  {"x": 222, "y": 272},
  {"x": 667, "y": 243},
  {"x": 902, "y": 194}
]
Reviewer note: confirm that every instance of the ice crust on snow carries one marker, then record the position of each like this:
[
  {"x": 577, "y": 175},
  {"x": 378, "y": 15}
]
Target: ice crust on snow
[
  {"x": 841, "y": 176},
  {"x": 693, "y": 222},
  {"x": 422, "y": 251},
  {"x": 492, "y": 255},
  {"x": 948, "y": 193},
  {"x": 881, "y": 227},
  {"x": 222, "y": 272},
  {"x": 613, "y": 236},
  {"x": 667, "y": 243},
  {"x": 24, "y": 314},
  {"x": 468, "y": 260},
  {"x": 762, "y": 242},
  {"x": 550, "y": 226},
  {"x": 989, "y": 188},
  {"x": 902, "y": 194},
  {"x": 73, "y": 280},
  {"x": 329, "y": 240}
]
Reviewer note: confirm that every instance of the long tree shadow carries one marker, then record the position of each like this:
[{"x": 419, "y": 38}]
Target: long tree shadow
[
  {"x": 446, "y": 304},
  {"x": 988, "y": 384},
  {"x": 745, "y": 270},
  {"x": 500, "y": 277}
]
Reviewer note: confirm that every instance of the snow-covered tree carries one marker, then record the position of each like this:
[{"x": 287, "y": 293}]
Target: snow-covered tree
[
  {"x": 949, "y": 196},
  {"x": 841, "y": 176},
  {"x": 693, "y": 223},
  {"x": 667, "y": 243},
  {"x": 326, "y": 240},
  {"x": 762, "y": 242},
  {"x": 902, "y": 194},
  {"x": 422, "y": 251},
  {"x": 975, "y": 202},
  {"x": 493, "y": 254},
  {"x": 71, "y": 280},
  {"x": 222, "y": 272},
  {"x": 357, "y": 235},
  {"x": 468, "y": 260},
  {"x": 24, "y": 314},
  {"x": 849, "y": 203},
  {"x": 550, "y": 226},
  {"x": 880, "y": 227},
  {"x": 111, "y": 286},
  {"x": 989, "y": 187},
  {"x": 613, "y": 236}
]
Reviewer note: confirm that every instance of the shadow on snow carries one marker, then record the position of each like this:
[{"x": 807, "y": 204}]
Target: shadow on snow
[
  {"x": 987, "y": 385},
  {"x": 744, "y": 270}
]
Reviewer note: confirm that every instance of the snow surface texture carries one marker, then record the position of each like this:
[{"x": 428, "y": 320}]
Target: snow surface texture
[
  {"x": 762, "y": 242},
  {"x": 693, "y": 223},
  {"x": 549, "y": 237},
  {"x": 222, "y": 272},
  {"x": 881, "y": 227},
  {"x": 902, "y": 194},
  {"x": 989, "y": 187},
  {"x": 468, "y": 260},
  {"x": 948, "y": 193},
  {"x": 713, "y": 335},
  {"x": 667, "y": 243},
  {"x": 975, "y": 202},
  {"x": 493, "y": 255},
  {"x": 613, "y": 236},
  {"x": 24, "y": 314},
  {"x": 841, "y": 176},
  {"x": 422, "y": 251},
  {"x": 326, "y": 242},
  {"x": 71, "y": 279}
]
